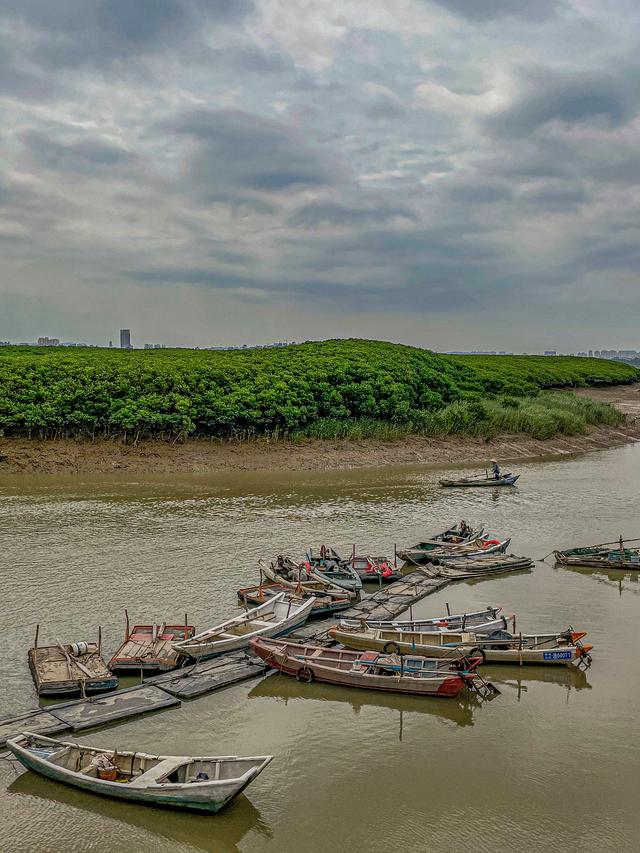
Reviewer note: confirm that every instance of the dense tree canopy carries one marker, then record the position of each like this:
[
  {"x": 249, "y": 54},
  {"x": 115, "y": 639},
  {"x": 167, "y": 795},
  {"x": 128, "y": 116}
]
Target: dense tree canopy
[{"x": 282, "y": 391}]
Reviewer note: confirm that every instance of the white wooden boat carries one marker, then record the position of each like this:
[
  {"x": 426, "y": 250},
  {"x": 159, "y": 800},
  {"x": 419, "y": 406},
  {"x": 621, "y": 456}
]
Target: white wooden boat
[
  {"x": 451, "y": 621},
  {"x": 488, "y": 627},
  {"x": 297, "y": 576},
  {"x": 277, "y": 616},
  {"x": 200, "y": 783}
]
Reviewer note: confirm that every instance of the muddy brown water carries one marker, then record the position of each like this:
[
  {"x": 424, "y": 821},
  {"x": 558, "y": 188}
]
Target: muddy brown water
[{"x": 550, "y": 765}]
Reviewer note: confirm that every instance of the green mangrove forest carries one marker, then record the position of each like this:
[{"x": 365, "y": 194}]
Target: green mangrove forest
[{"x": 328, "y": 389}]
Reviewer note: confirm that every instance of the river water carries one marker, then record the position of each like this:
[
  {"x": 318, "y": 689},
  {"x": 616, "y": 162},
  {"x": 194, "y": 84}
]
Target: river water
[{"x": 550, "y": 765}]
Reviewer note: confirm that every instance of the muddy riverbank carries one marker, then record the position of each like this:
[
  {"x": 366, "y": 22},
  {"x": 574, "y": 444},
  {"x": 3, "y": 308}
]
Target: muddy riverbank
[{"x": 99, "y": 456}]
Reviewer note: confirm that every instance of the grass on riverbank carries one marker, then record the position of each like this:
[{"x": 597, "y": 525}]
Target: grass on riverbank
[{"x": 543, "y": 416}]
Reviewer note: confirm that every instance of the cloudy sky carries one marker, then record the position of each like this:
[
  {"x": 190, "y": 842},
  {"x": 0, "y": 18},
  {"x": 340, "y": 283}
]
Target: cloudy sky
[{"x": 448, "y": 173}]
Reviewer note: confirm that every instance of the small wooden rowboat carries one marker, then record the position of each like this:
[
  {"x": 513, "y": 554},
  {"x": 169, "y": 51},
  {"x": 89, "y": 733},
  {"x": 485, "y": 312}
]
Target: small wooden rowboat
[
  {"x": 147, "y": 648},
  {"x": 279, "y": 615},
  {"x": 441, "y": 643},
  {"x": 370, "y": 670},
  {"x": 374, "y": 569},
  {"x": 462, "y": 624},
  {"x": 328, "y": 566},
  {"x": 458, "y": 536},
  {"x": 297, "y": 576},
  {"x": 323, "y": 605},
  {"x": 72, "y": 668},
  {"x": 465, "y": 482},
  {"x": 197, "y": 783}
]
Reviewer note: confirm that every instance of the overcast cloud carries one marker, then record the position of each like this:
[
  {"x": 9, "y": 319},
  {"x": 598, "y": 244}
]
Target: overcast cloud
[{"x": 449, "y": 173}]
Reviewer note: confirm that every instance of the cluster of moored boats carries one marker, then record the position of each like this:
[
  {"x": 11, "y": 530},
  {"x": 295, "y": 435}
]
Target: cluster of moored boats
[{"x": 439, "y": 656}]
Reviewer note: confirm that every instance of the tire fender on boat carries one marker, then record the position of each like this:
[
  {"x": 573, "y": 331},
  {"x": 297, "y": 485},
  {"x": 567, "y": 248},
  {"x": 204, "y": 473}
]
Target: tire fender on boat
[
  {"x": 391, "y": 648},
  {"x": 305, "y": 674}
]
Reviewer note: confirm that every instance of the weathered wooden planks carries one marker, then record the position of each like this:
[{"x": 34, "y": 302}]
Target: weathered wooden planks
[
  {"x": 131, "y": 702},
  {"x": 387, "y": 603},
  {"x": 200, "y": 678},
  {"x": 38, "y": 721}
]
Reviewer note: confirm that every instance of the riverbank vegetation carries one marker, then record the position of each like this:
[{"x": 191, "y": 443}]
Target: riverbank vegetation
[{"x": 329, "y": 389}]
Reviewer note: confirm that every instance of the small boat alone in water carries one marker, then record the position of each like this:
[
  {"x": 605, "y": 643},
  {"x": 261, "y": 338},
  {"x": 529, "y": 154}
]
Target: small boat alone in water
[
  {"x": 279, "y": 615},
  {"x": 370, "y": 670},
  {"x": 202, "y": 783},
  {"x": 610, "y": 555},
  {"x": 489, "y": 482}
]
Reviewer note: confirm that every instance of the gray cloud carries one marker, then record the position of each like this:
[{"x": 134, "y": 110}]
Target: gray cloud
[
  {"x": 484, "y": 10},
  {"x": 243, "y": 151},
  {"x": 570, "y": 97},
  {"x": 335, "y": 164}
]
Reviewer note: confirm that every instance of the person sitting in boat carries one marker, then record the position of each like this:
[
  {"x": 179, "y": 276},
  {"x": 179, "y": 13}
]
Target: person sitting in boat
[
  {"x": 465, "y": 529},
  {"x": 495, "y": 469}
]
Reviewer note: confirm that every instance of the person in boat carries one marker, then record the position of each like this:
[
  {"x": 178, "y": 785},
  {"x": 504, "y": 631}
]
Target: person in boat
[
  {"x": 465, "y": 529},
  {"x": 495, "y": 469}
]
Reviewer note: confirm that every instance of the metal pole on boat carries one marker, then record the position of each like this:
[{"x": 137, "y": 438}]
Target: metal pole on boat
[
  {"x": 35, "y": 645},
  {"x": 411, "y": 612},
  {"x": 395, "y": 555},
  {"x": 448, "y": 608},
  {"x": 186, "y": 627},
  {"x": 514, "y": 623},
  {"x": 126, "y": 616},
  {"x": 99, "y": 640}
]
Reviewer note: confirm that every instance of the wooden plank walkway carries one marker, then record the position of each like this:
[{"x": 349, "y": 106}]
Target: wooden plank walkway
[
  {"x": 83, "y": 714},
  {"x": 166, "y": 690},
  {"x": 199, "y": 678}
]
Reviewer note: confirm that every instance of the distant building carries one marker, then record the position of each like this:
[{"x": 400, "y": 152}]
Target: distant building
[
  {"x": 550, "y": 352},
  {"x": 110, "y": 344},
  {"x": 48, "y": 342},
  {"x": 125, "y": 339},
  {"x": 155, "y": 346}
]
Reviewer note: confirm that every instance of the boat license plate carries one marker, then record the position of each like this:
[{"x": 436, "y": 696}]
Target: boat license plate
[{"x": 557, "y": 655}]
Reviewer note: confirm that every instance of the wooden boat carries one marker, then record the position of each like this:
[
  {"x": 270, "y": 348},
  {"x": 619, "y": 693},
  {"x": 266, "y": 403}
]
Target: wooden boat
[
  {"x": 296, "y": 576},
  {"x": 556, "y": 649},
  {"x": 323, "y": 605},
  {"x": 374, "y": 569},
  {"x": 370, "y": 670},
  {"x": 279, "y": 615},
  {"x": 327, "y": 565},
  {"x": 148, "y": 649},
  {"x": 476, "y": 548},
  {"x": 610, "y": 555},
  {"x": 466, "y": 482},
  {"x": 488, "y": 626},
  {"x": 458, "y": 535},
  {"x": 73, "y": 668},
  {"x": 198, "y": 783},
  {"x": 441, "y": 643}
]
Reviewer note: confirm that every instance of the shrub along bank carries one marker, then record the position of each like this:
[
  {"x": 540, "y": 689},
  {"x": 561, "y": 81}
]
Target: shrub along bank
[{"x": 328, "y": 389}]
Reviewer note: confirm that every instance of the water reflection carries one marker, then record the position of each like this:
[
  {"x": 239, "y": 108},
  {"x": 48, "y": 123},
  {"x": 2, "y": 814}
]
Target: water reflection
[
  {"x": 608, "y": 577},
  {"x": 457, "y": 711},
  {"x": 520, "y": 678},
  {"x": 221, "y": 833}
]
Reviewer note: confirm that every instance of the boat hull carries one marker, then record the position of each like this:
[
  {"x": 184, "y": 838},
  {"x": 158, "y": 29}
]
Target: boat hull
[
  {"x": 445, "y": 685},
  {"x": 202, "y": 797},
  {"x": 488, "y": 483}
]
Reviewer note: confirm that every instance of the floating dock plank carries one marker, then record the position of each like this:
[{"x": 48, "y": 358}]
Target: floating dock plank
[
  {"x": 203, "y": 677},
  {"x": 390, "y": 601},
  {"x": 41, "y": 722},
  {"x": 131, "y": 702}
]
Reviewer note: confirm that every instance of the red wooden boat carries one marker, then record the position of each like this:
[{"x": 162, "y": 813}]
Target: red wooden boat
[
  {"x": 371, "y": 670},
  {"x": 147, "y": 648}
]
